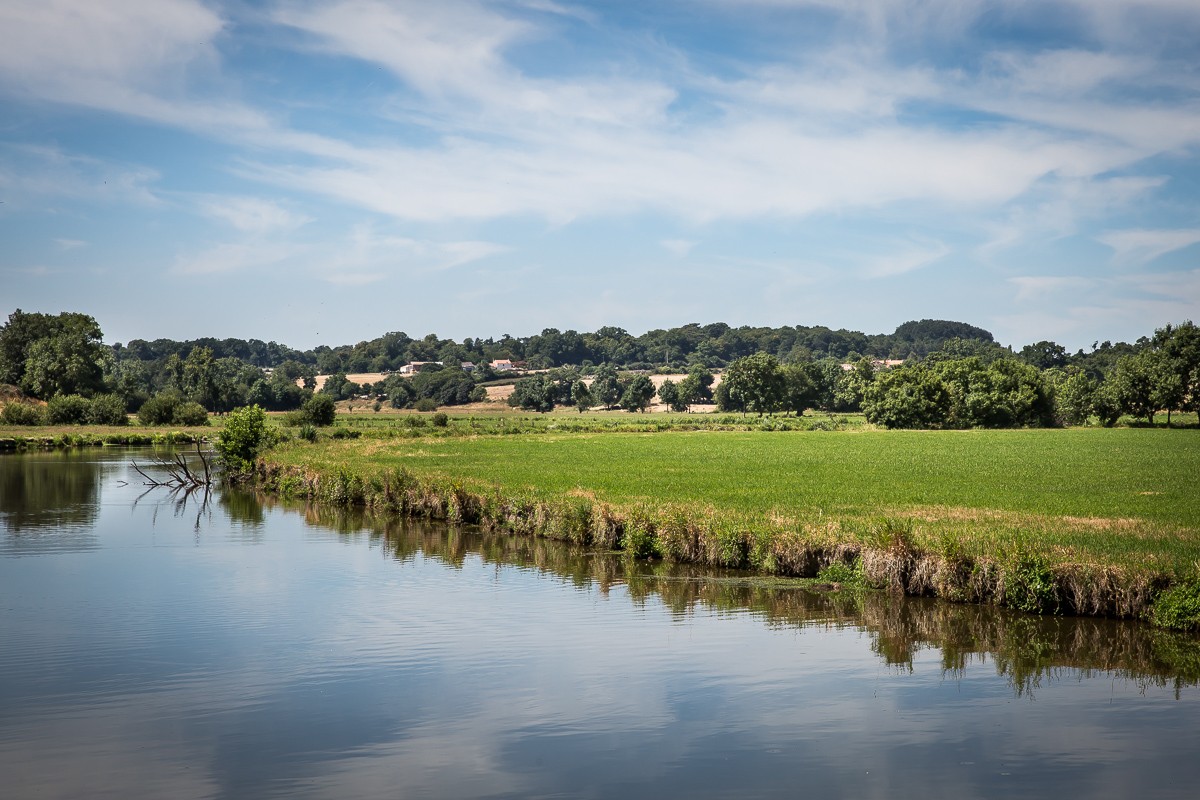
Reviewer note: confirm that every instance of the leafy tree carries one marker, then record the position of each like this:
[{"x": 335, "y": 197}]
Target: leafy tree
[
  {"x": 107, "y": 409},
  {"x": 1076, "y": 398},
  {"x": 696, "y": 387},
  {"x": 399, "y": 391},
  {"x": 1179, "y": 369},
  {"x": 16, "y": 337},
  {"x": 1002, "y": 394},
  {"x": 17, "y": 412},
  {"x": 799, "y": 391},
  {"x": 71, "y": 359},
  {"x": 242, "y": 438},
  {"x": 190, "y": 414},
  {"x": 1044, "y": 355},
  {"x": 534, "y": 393},
  {"x": 581, "y": 396},
  {"x": 332, "y": 385},
  {"x": 826, "y": 375},
  {"x": 67, "y": 409},
  {"x": 638, "y": 394},
  {"x": 201, "y": 381},
  {"x": 446, "y": 387},
  {"x": 724, "y": 401},
  {"x": 852, "y": 386},
  {"x": 319, "y": 410},
  {"x": 159, "y": 409},
  {"x": 1133, "y": 385},
  {"x": 754, "y": 383},
  {"x": 907, "y": 397},
  {"x": 670, "y": 396},
  {"x": 606, "y": 388}
]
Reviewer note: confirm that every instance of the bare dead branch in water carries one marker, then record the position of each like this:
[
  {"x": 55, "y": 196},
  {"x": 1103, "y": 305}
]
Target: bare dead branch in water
[
  {"x": 183, "y": 482},
  {"x": 180, "y": 473}
]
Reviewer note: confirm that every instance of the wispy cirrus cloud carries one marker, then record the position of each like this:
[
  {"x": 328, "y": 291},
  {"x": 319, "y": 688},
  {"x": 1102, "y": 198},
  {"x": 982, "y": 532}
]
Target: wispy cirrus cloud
[
  {"x": 1144, "y": 245},
  {"x": 252, "y": 214},
  {"x": 234, "y": 257}
]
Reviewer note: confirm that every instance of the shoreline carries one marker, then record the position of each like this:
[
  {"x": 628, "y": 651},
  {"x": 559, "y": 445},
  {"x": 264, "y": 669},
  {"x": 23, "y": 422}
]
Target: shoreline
[{"x": 885, "y": 556}]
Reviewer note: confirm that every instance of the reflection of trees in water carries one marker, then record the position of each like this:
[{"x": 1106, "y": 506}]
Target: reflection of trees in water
[
  {"x": 1025, "y": 649},
  {"x": 49, "y": 499},
  {"x": 243, "y": 507}
]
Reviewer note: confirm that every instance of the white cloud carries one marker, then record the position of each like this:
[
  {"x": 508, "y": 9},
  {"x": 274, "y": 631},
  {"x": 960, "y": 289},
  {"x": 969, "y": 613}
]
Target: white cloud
[
  {"x": 788, "y": 139},
  {"x": 1143, "y": 246},
  {"x": 368, "y": 255},
  {"x": 904, "y": 260},
  {"x": 1041, "y": 287},
  {"x": 34, "y": 174},
  {"x": 252, "y": 214},
  {"x": 234, "y": 257},
  {"x": 70, "y": 244}
]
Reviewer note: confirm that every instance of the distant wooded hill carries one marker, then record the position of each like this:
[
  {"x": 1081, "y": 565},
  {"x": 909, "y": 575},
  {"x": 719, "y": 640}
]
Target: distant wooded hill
[{"x": 713, "y": 345}]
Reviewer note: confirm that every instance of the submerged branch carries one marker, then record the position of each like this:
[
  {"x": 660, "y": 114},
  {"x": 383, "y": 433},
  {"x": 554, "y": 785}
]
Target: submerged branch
[{"x": 180, "y": 474}]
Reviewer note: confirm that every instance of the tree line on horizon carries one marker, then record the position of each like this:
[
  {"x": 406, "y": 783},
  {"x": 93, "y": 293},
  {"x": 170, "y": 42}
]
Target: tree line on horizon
[{"x": 948, "y": 365}]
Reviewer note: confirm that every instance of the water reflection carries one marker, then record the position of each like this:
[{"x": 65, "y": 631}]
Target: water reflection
[
  {"x": 1025, "y": 649},
  {"x": 291, "y": 651},
  {"x": 49, "y": 501}
]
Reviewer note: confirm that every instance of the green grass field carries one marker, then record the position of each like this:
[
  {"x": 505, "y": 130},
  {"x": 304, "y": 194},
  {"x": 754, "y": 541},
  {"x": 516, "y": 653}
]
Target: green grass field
[{"x": 1123, "y": 498}]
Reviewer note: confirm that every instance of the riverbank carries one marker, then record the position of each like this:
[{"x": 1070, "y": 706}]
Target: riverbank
[
  {"x": 96, "y": 436},
  {"x": 1089, "y": 522}
]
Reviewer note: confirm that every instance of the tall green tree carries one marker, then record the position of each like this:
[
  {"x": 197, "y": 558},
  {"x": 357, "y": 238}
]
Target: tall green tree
[
  {"x": 70, "y": 360},
  {"x": 754, "y": 383},
  {"x": 670, "y": 396},
  {"x": 1133, "y": 385},
  {"x": 638, "y": 394},
  {"x": 581, "y": 396},
  {"x": 16, "y": 337},
  {"x": 799, "y": 391},
  {"x": 606, "y": 388}
]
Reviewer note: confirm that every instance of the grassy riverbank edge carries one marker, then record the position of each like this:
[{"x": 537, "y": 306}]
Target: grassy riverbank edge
[
  {"x": 93, "y": 438},
  {"x": 882, "y": 554}
]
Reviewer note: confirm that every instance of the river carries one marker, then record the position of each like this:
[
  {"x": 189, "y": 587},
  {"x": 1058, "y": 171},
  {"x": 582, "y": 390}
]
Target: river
[{"x": 154, "y": 646}]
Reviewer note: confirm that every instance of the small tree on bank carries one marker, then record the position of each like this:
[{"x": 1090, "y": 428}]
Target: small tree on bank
[{"x": 242, "y": 438}]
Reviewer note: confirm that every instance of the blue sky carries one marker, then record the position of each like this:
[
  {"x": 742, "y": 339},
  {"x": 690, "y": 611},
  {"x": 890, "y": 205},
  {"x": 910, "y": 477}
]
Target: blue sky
[{"x": 324, "y": 171}]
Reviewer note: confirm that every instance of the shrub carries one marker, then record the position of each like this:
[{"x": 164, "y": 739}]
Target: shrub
[
  {"x": 440, "y": 420},
  {"x": 107, "y": 409},
  {"x": 1029, "y": 585},
  {"x": 244, "y": 435},
  {"x": 67, "y": 409},
  {"x": 842, "y": 573},
  {"x": 1178, "y": 607},
  {"x": 426, "y": 404},
  {"x": 159, "y": 409},
  {"x": 190, "y": 414},
  {"x": 308, "y": 433},
  {"x": 319, "y": 410},
  {"x": 23, "y": 414}
]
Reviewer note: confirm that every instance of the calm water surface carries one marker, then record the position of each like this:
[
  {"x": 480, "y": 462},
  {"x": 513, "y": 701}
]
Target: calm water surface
[{"x": 155, "y": 649}]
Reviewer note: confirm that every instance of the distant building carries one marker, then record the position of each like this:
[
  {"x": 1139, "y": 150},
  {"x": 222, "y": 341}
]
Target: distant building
[
  {"x": 877, "y": 364},
  {"x": 502, "y": 365},
  {"x": 413, "y": 367},
  {"x": 468, "y": 366}
]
